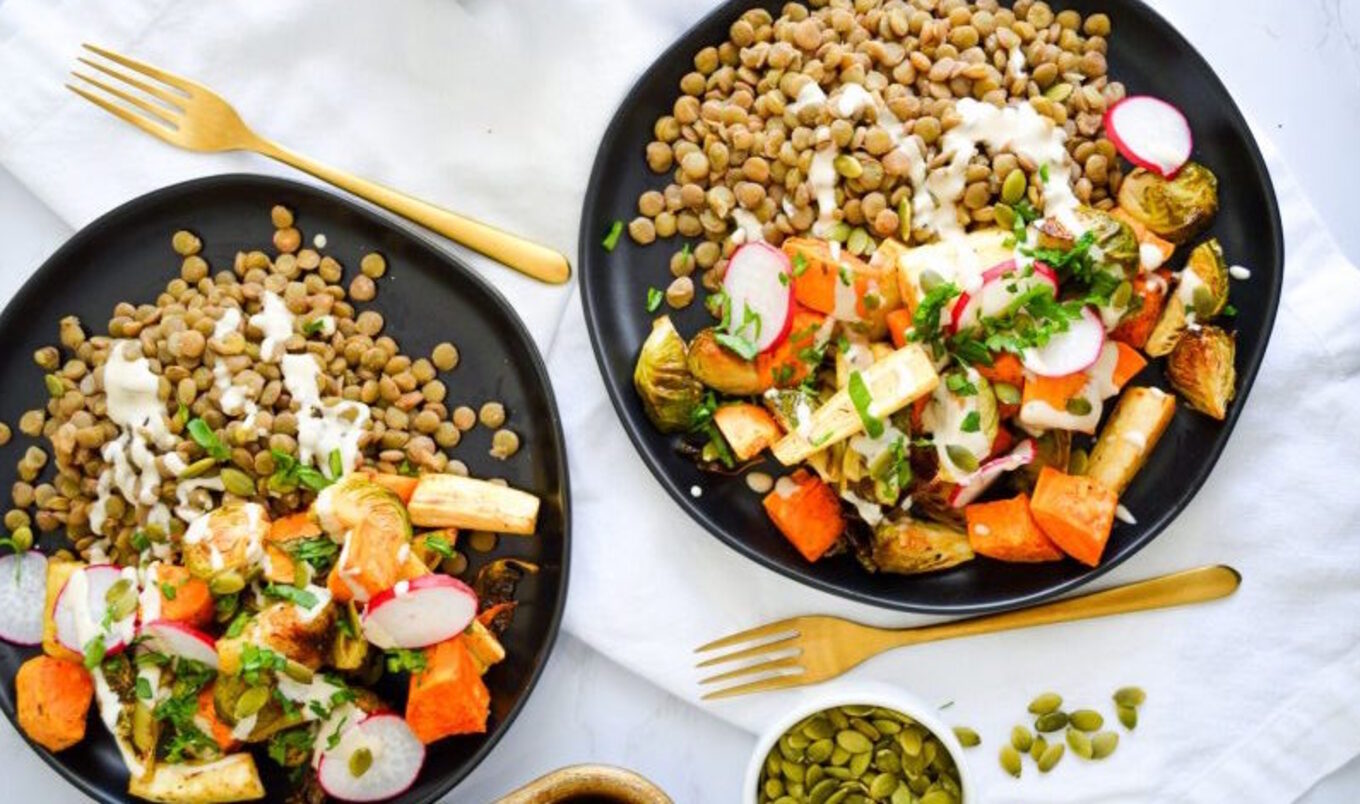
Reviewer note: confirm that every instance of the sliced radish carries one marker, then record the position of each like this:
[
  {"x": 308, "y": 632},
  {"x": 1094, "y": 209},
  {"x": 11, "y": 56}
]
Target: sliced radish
[
  {"x": 760, "y": 279},
  {"x": 1001, "y": 285},
  {"x": 1070, "y": 351},
  {"x": 1150, "y": 133},
  {"x": 74, "y": 617},
  {"x": 23, "y": 582},
  {"x": 420, "y": 612},
  {"x": 177, "y": 639},
  {"x": 972, "y": 486},
  {"x": 395, "y": 756}
]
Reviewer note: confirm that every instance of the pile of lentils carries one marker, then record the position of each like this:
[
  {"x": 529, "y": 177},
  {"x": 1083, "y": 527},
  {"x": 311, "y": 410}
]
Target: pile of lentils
[
  {"x": 734, "y": 139},
  {"x": 410, "y": 427}
]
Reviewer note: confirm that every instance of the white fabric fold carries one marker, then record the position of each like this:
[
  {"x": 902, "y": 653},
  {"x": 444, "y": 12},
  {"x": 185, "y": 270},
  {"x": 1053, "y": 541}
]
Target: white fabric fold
[{"x": 495, "y": 109}]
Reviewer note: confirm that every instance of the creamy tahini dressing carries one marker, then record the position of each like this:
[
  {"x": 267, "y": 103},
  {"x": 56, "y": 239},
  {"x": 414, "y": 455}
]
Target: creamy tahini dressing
[
  {"x": 943, "y": 418},
  {"x": 323, "y": 429},
  {"x": 822, "y": 182},
  {"x": 1037, "y": 416},
  {"x": 275, "y": 323},
  {"x": 133, "y": 403},
  {"x": 749, "y": 228}
]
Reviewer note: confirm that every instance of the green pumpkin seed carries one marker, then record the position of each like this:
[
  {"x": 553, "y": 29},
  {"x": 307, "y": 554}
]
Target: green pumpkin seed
[
  {"x": 904, "y": 218},
  {"x": 772, "y": 764},
  {"x": 820, "y": 751},
  {"x": 1130, "y": 696},
  {"x": 1038, "y": 747},
  {"x": 226, "y": 583},
  {"x": 1103, "y": 744},
  {"x": 121, "y": 599},
  {"x": 299, "y": 672},
  {"x": 902, "y": 795},
  {"x": 854, "y": 742},
  {"x": 839, "y": 756},
  {"x": 237, "y": 482},
  {"x": 883, "y": 785},
  {"x": 1077, "y": 462},
  {"x": 930, "y": 279},
  {"x": 143, "y": 727},
  {"x": 22, "y": 537},
  {"x": 360, "y": 761},
  {"x": 838, "y": 719},
  {"x": 1122, "y": 295},
  {"x": 813, "y": 775},
  {"x": 859, "y": 243},
  {"x": 848, "y": 166},
  {"x": 1006, "y": 393},
  {"x": 910, "y": 742},
  {"x": 836, "y": 772},
  {"x": 859, "y": 764},
  {"x": 1128, "y": 716},
  {"x": 937, "y": 797},
  {"x": 1079, "y": 406},
  {"x": 1013, "y": 188},
  {"x": 822, "y": 791},
  {"x": 1045, "y": 703},
  {"x": 197, "y": 468},
  {"x": 1010, "y": 760},
  {"x": 787, "y": 751},
  {"x": 866, "y": 728},
  {"x": 887, "y": 760},
  {"x": 1086, "y": 719},
  {"x": 930, "y": 750},
  {"x": 837, "y": 797},
  {"x": 888, "y": 714},
  {"x": 1021, "y": 739},
  {"x": 1005, "y": 216},
  {"x": 250, "y": 702},
  {"x": 785, "y": 800},
  {"x": 962, "y": 457},
  {"x": 886, "y": 727},
  {"x": 798, "y": 741},
  {"x": 1079, "y": 742},
  {"x": 792, "y": 771},
  {"x": 839, "y": 232},
  {"x": 819, "y": 728},
  {"x": 1053, "y": 721},
  {"x": 773, "y": 788},
  {"x": 967, "y": 737},
  {"x": 1058, "y": 92},
  {"x": 1050, "y": 757}
]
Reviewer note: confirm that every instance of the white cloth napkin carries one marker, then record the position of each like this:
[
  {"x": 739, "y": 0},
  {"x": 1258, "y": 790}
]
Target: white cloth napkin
[{"x": 495, "y": 108}]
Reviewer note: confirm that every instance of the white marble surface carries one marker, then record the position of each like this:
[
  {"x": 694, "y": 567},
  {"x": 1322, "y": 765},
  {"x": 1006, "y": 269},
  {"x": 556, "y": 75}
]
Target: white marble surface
[{"x": 1292, "y": 66}]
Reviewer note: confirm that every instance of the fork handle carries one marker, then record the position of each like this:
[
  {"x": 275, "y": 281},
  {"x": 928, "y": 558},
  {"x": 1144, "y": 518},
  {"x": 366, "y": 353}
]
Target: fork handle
[
  {"x": 539, "y": 262},
  {"x": 1177, "y": 589}
]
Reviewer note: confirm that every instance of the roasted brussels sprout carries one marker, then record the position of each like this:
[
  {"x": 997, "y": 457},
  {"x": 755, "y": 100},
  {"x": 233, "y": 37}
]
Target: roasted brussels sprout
[
  {"x": 270, "y": 717},
  {"x": 932, "y": 500},
  {"x": 1176, "y": 209},
  {"x": 790, "y": 406},
  {"x": 1202, "y": 369},
  {"x": 669, "y": 392},
  {"x": 722, "y": 369},
  {"x": 1115, "y": 239},
  {"x": 1201, "y": 294},
  {"x": 349, "y": 652},
  {"x": 219, "y": 542},
  {"x": 910, "y": 546}
]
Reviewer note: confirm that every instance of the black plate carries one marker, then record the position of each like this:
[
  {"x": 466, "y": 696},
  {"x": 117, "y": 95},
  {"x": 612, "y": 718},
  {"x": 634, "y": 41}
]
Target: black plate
[
  {"x": 1149, "y": 56},
  {"x": 426, "y": 297}
]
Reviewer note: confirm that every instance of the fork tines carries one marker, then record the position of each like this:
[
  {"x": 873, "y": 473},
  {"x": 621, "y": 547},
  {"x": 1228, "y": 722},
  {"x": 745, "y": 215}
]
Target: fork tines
[
  {"x": 157, "y": 106},
  {"x": 777, "y": 646}
]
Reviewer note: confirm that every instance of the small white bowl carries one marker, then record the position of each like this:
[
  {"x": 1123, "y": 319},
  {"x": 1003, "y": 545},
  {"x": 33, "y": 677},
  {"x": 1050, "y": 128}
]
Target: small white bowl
[{"x": 850, "y": 694}]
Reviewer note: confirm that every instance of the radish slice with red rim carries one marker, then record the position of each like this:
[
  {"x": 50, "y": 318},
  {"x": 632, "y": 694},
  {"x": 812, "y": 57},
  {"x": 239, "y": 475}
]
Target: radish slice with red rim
[
  {"x": 23, "y": 584},
  {"x": 759, "y": 288},
  {"x": 1001, "y": 284},
  {"x": 377, "y": 758},
  {"x": 173, "y": 638},
  {"x": 1150, "y": 133},
  {"x": 972, "y": 486},
  {"x": 419, "y": 612},
  {"x": 75, "y": 618},
  {"x": 1075, "y": 349}
]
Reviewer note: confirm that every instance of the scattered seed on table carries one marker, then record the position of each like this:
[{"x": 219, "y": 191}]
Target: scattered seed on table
[
  {"x": 1010, "y": 760},
  {"x": 1052, "y": 754},
  {"x": 1045, "y": 703}
]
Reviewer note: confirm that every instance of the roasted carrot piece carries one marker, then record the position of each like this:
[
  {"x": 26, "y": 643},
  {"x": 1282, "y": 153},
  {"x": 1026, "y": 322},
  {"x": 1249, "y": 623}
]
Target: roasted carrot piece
[
  {"x": 899, "y": 322},
  {"x": 816, "y": 273},
  {"x": 1006, "y": 368},
  {"x": 1129, "y": 363},
  {"x": 340, "y": 591},
  {"x": 748, "y": 428},
  {"x": 184, "y": 598},
  {"x": 400, "y": 485},
  {"x": 1144, "y": 235},
  {"x": 1077, "y": 513},
  {"x": 448, "y": 697},
  {"x": 1053, "y": 391},
  {"x": 210, "y": 723},
  {"x": 1005, "y": 530},
  {"x": 809, "y": 515},
  {"x": 1136, "y": 329},
  {"x": 52, "y": 699},
  {"x": 371, "y": 561},
  {"x": 488, "y": 615},
  {"x": 784, "y": 366},
  {"x": 282, "y": 531}
]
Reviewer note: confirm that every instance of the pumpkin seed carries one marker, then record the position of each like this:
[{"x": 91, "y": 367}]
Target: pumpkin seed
[
  {"x": 837, "y": 797},
  {"x": 1103, "y": 744},
  {"x": 360, "y": 761},
  {"x": 910, "y": 742},
  {"x": 836, "y": 772},
  {"x": 786, "y": 800},
  {"x": 902, "y": 795},
  {"x": 1128, "y": 716},
  {"x": 937, "y": 797},
  {"x": 967, "y": 737},
  {"x": 859, "y": 764},
  {"x": 1045, "y": 703},
  {"x": 1013, "y": 188},
  {"x": 121, "y": 598},
  {"x": 887, "y": 760},
  {"x": 848, "y": 166},
  {"x": 1077, "y": 462},
  {"x": 1086, "y": 719},
  {"x": 904, "y": 218},
  {"x": 55, "y": 388},
  {"x": 772, "y": 764},
  {"x": 930, "y": 279},
  {"x": 226, "y": 583},
  {"x": 792, "y": 771},
  {"x": 962, "y": 457},
  {"x": 814, "y": 774},
  {"x": 197, "y": 468},
  {"x": 886, "y": 727},
  {"x": 250, "y": 702},
  {"x": 773, "y": 788},
  {"x": 299, "y": 672},
  {"x": 1203, "y": 299},
  {"x": 1053, "y": 721},
  {"x": 839, "y": 232},
  {"x": 822, "y": 791},
  {"x": 1079, "y": 742},
  {"x": 838, "y": 719},
  {"x": 237, "y": 482},
  {"x": 1021, "y": 738},
  {"x": 1010, "y": 760},
  {"x": 1122, "y": 295},
  {"x": 859, "y": 242},
  {"x": 1058, "y": 92},
  {"x": 1038, "y": 747},
  {"x": 1050, "y": 757},
  {"x": 1005, "y": 216},
  {"x": 819, "y": 728},
  {"x": 1130, "y": 696},
  {"x": 820, "y": 751},
  {"x": 1006, "y": 393},
  {"x": 787, "y": 751},
  {"x": 1079, "y": 406},
  {"x": 839, "y": 756},
  {"x": 798, "y": 741},
  {"x": 143, "y": 727},
  {"x": 853, "y": 741},
  {"x": 883, "y": 785}
]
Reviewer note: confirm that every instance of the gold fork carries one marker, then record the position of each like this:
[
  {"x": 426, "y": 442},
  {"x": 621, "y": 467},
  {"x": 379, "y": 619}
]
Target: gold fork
[
  {"x": 806, "y": 650},
  {"x": 188, "y": 114}
]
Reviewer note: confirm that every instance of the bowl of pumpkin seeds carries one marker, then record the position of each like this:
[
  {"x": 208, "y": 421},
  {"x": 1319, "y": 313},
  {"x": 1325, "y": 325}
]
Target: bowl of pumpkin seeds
[{"x": 859, "y": 743}]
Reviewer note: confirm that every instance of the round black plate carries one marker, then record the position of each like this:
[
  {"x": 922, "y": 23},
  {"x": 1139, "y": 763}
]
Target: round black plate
[
  {"x": 1149, "y": 56},
  {"x": 426, "y": 297}
]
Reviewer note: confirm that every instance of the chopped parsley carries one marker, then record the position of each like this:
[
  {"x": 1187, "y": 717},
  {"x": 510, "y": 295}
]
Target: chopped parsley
[
  {"x": 401, "y": 660},
  {"x": 292, "y": 747},
  {"x": 439, "y": 545},
  {"x": 971, "y": 423},
  {"x": 293, "y": 594},
  {"x": 1228, "y": 310},
  {"x": 611, "y": 238},
  {"x": 314, "y": 326},
  {"x": 204, "y": 436},
  {"x": 140, "y": 541},
  {"x": 860, "y": 396},
  {"x": 925, "y": 324},
  {"x": 800, "y": 265},
  {"x": 257, "y": 660},
  {"x": 846, "y": 278},
  {"x": 143, "y": 688},
  {"x": 94, "y": 652},
  {"x": 782, "y": 374},
  {"x": 654, "y": 298},
  {"x": 181, "y": 736},
  {"x": 319, "y": 551},
  {"x": 1043, "y": 173},
  {"x": 405, "y": 469},
  {"x": 958, "y": 384},
  {"x": 736, "y": 343},
  {"x": 289, "y": 472}
]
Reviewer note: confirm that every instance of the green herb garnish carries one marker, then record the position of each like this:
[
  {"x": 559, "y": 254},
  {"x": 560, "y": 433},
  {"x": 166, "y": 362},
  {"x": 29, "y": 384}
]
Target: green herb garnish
[
  {"x": 860, "y": 396},
  {"x": 971, "y": 423},
  {"x": 654, "y": 298},
  {"x": 439, "y": 545},
  {"x": 401, "y": 660},
  {"x": 611, "y": 239},
  {"x": 203, "y": 436},
  {"x": 301, "y": 597},
  {"x": 736, "y": 343}
]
